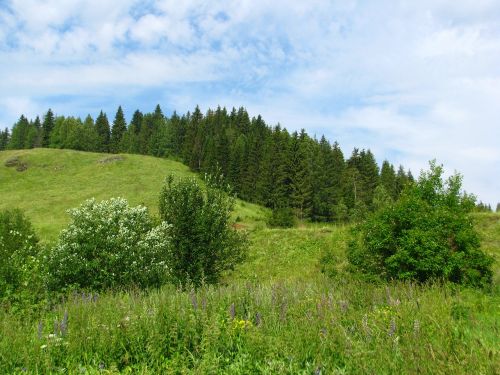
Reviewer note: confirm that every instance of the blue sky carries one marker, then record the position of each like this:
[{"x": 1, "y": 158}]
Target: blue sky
[{"x": 411, "y": 80}]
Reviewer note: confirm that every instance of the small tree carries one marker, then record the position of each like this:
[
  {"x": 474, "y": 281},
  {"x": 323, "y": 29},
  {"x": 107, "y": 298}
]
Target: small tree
[
  {"x": 107, "y": 245},
  {"x": 203, "y": 241},
  {"x": 283, "y": 217},
  {"x": 18, "y": 254},
  {"x": 427, "y": 234}
]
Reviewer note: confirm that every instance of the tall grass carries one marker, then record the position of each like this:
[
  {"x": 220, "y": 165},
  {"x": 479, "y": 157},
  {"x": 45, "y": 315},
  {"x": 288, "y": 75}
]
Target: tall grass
[{"x": 327, "y": 326}]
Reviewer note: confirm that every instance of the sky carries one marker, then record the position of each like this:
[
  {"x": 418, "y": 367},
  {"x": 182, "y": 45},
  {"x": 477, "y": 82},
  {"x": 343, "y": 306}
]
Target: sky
[{"x": 410, "y": 80}]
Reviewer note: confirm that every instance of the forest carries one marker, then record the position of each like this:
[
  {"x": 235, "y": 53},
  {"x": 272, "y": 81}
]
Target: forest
[{"x": 264, "y": 164}]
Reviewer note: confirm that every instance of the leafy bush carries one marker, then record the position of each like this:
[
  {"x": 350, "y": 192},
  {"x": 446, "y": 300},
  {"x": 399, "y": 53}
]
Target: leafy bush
[
  {"x": 109, "y": 244},
  {"x": 203, "y": 241},
  {"x": 427, "y": 234},
  {"x": 18, "y": 255},
  {"x": 282, "y": 217}
]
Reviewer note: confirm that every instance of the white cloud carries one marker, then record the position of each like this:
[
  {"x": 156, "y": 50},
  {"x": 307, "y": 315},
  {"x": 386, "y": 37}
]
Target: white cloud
[{"x": 410, "y": 80}]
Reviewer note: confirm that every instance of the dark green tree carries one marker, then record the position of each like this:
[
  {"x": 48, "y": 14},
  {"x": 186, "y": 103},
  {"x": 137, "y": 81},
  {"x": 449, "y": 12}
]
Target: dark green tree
[
  {"x": 117, "y": 131},
  {"x": 388, "y": 179},
  {"x": 47, "y": 127},
  {"x": 103, "y": 131},
  {"x": 428, "y": 234},
  {"x": 300, "y": 168},
  {"x": 19, "y": 134},
  {"x": 4, "y": 139},
  {"x": 204, "y": 243}
]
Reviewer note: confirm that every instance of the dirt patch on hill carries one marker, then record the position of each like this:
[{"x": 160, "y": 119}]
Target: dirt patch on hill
[
  {"x": 17, "y": 163},
  {"x": 111, "y": 159}
]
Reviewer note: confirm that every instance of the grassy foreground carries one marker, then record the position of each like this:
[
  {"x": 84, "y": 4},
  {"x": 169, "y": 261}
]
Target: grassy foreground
[
  {"x": 277, "y": 313},
  {"x": 57, "y": 180}
]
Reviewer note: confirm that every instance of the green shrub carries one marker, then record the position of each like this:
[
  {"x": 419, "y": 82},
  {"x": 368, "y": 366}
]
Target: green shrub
[
  {"x": 203, "y": 241},
  {"x": 427, "y": 234},
  {"x": 108, "y": 245},
  {"x": 18, "y": 256},
  {"x": 283, "y": 217}
]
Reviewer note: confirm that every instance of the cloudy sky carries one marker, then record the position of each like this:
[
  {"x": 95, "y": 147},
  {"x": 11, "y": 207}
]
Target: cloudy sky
[{"x": 411, "y": 80}]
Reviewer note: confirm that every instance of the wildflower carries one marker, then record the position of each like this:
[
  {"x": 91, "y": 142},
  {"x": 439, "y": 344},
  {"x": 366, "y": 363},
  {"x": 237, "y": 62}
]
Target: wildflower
[
  {"x": 232, "y": 311},
  {"x": 64, "y": 323},
  {"x": 40, "y": 330},
  {"x": 194, "y": 300},
  {"x": 343, "y": 305},
  {"x": 258, "y": 319},
  {"x": 392, "y": 327},
  {"x": 416, "y": 327}
]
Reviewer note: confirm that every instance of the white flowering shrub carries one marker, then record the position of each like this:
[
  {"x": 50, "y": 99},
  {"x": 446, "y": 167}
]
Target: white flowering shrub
[{"x": 109, "y": 244}]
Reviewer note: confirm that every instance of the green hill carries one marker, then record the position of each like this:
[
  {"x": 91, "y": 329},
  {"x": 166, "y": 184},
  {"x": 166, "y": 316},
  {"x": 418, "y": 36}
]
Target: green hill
[{"x": 44, "y": 183}]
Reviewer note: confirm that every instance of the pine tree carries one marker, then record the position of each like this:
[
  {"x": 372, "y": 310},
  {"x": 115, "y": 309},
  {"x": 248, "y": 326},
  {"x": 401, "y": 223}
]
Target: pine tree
[
  {"x": 327, "y": 180},
  {"x": 32, "y": 134},
  {"x": 237, "y": 163},
  {"x": 4, "y": 139},
  {"x": 19, "y": 134},
  {"x": 103, "y": 131},
  {"x": 388, "y": 179},
  {"x": 117, "y": 131},
  {"x": 58, "y": 134},
  {"x": 300, "y": 175},
  {"x": 402, "y": 179},
  {"x": 160, "y": 141},
  {"x": 47, "y": 127},
  {"x": 131, "y": 142},
  {"x": 90, "y": 138}
]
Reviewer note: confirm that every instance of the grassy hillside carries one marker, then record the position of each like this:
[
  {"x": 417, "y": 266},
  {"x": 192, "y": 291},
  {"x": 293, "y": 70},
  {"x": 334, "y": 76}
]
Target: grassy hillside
[
  {"x": 56, "y": 180},
  {"x": 277, "y": 313}
]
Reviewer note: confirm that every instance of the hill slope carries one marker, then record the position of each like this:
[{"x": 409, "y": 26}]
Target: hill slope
[{"x": 56, "y": 180}]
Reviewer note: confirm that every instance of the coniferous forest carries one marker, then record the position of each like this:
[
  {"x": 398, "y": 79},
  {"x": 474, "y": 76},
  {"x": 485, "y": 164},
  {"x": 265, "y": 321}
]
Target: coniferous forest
[{"x": 263, "y": 164}]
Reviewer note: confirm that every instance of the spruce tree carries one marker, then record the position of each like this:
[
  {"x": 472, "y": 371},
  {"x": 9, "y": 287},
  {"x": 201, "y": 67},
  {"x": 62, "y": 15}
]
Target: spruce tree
[
  {"x": 117, "y": 131},
  {"x": 103, "y": 131},
  {"x": 4, "y": 139},
  {"x": 47, "y": 127},
  {"x": 32, "y": 134},
  {"x": 132, "y": 134},
  {"x": 19, "y": 134},
  {"x": 300, "y": 175},
  {"x": 327, "y": 180},
  {"x": 90, "y": 137},
  {"x": 388, "y": 179}
]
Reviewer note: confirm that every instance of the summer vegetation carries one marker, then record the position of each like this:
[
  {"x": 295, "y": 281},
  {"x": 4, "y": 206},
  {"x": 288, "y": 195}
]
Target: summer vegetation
[{"x": 182, "y": 287}]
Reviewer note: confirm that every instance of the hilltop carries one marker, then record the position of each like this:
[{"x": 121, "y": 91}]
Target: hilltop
[{"x": 44, "y": 183}]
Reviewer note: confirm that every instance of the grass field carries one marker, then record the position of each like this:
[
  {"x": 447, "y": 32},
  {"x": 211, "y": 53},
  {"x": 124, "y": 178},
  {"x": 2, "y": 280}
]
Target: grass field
[
  {"x": 57, "y": 180},
  {"x": 276, "y": 313}
]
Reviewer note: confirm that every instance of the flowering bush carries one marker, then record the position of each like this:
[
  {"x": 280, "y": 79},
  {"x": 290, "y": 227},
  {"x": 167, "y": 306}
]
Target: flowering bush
[{"x": 109, "y": 244}]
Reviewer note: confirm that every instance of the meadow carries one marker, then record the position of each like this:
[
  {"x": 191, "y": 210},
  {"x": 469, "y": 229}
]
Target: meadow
[{"x": 292, "y": 307}]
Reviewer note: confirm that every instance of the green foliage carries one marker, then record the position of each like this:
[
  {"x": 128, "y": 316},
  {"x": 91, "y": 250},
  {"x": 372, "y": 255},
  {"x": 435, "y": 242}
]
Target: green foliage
[
  {"x": 117, "y": 131},
  {"x": 204, "y": 243},
  {"x": 19, "y": 256},
  {"x": 109, "y": 245},
  {"x": 322, "y": 327},
  {"x": 283, "y": 217},
  {"x": 426, "y": 235}
]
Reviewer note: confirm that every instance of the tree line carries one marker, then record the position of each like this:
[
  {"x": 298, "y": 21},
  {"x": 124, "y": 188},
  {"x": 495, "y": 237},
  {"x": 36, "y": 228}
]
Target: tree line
[{"x": 263, "y": 164}]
